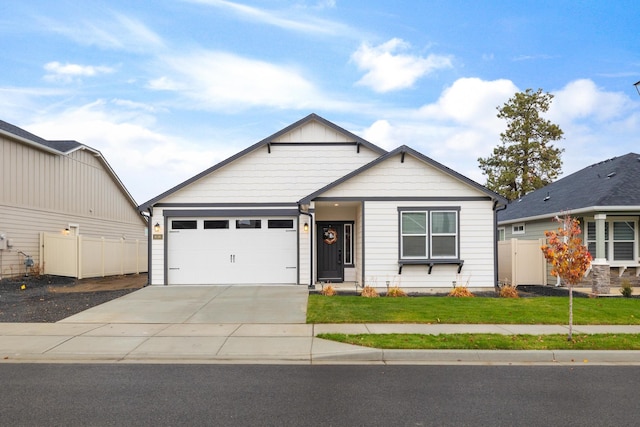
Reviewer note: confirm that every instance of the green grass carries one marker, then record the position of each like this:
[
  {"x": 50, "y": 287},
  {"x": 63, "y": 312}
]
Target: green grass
[
  {"x": 490, "y": 341},
  {"x": 527, "y": 311}
]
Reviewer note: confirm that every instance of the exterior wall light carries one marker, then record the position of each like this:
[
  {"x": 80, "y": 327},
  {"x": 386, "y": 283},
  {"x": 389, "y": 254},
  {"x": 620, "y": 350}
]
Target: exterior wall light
[
  {"x": 156, "y": 228},
  {"x": 305, "y": 227},
  {"x": 66, "y": 231}
]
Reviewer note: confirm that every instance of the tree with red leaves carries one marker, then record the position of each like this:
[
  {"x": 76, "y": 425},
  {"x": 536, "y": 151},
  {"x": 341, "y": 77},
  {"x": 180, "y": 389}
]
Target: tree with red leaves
[{"x": 569, "y": 258}]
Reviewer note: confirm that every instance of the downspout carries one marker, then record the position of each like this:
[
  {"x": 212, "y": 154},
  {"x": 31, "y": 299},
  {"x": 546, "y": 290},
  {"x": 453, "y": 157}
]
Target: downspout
[
  {"x": 495, "y": 241},
  {"x": 300, "y": 211}
]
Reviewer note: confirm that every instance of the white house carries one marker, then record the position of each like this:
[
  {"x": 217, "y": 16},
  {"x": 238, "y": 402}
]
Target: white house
[{"x": 315, "y": 203}]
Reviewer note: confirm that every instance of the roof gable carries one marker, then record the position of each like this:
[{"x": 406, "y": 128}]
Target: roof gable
[
  {"x": 440, "y": 179},
  {"x": 312, "y": 129},
  {"x": 614, "y": 182}
]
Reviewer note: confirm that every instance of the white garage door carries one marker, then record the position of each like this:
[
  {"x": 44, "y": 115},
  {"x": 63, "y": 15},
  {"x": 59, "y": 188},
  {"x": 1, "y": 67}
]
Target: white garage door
[{"x": 232, "y": 251}]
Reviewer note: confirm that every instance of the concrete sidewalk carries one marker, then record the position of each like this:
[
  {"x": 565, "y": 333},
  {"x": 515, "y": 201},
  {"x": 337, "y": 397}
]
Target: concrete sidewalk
[{"x": 272, "y": 343}]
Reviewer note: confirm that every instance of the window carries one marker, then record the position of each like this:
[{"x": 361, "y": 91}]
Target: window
[
  {"x": 517, "y": 228},
  {"x": 248, "y": 223},
  {"x": 348, "y": 244},
  {"x": 216, "y": 224},
  {"x": 184, "y": 224},
  {"x": 429, "y": 234},
  {"x": 620, "y": 239},
  {"x": 444, "y": 234},
  {"x": 502, "y": 232},
  {"x": 280, "y": 223}
]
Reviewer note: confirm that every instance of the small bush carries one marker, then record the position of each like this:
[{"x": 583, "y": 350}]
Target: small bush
[
  {"x": 369, "y": 292},
  {"x": 461, "y": 291},
  {"x": 626, "y": 290},
  {"x": 328, "y": 291},
  {"x": 508, "y": 291},
  {"x": 396, "y": 292}
]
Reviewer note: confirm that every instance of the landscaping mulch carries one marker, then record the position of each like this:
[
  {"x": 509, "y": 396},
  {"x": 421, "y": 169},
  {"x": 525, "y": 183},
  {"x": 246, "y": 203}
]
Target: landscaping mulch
[{"x": 48, "y": 299}]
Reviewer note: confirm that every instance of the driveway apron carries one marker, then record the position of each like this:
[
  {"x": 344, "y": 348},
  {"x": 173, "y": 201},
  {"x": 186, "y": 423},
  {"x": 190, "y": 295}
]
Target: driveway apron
[{"x": 267, "y": 304}]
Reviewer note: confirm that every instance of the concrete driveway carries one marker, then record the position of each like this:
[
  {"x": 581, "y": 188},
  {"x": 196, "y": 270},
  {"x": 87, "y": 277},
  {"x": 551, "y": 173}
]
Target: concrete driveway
[{"x": 267, "y": 304}]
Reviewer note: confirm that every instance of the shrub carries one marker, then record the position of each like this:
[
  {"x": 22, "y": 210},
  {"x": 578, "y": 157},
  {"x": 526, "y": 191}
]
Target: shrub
[
  {"x": 328, "y": 291},
  {"x": 508, "y": 291},
  {"x": 396, "y": 292},
  {"x": 369, "y": 292},
  {"x": 461, "y": 291},
  {"x": 626, "y": 290}
]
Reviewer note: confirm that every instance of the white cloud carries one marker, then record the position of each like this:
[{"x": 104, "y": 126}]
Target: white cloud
[
  {"x": 387, "y": 70},
  {"x": 297, "y": 22},
  {"x": 70, "y": 72},
  {"x": 119, "y": 33},
  {"x": 222, "y": 81},
  {"x": 582, "y": 99}
]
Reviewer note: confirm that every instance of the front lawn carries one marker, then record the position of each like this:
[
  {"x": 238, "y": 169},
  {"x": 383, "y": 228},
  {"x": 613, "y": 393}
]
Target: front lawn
[
  {"x": 431, "y": 309},
  {"x": 490, "y": 341}
]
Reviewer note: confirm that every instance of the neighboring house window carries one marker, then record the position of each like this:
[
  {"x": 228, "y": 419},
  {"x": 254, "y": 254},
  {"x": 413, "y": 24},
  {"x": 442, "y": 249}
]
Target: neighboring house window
[
  {"x": 620, "y": 239},
  {"x": 348, "y": 244},
  {"x": 502, "y": 234},
  {"x": 517, "y": 228},
  {"x": 429, "y": 234}
]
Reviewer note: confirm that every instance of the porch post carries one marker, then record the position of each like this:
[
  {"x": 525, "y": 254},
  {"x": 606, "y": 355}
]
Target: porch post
[{"x": 601, "y": 280}]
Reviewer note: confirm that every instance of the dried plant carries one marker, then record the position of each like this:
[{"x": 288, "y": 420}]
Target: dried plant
[
  {"x": 328, "y": 291},
  {"x": 369, "y": 292},
  {"x": 395, "y": 291},
  {"x": 461, "y": 291},
  {"x": 626, "y": 290},
  {"x": 508, "y": 291}
]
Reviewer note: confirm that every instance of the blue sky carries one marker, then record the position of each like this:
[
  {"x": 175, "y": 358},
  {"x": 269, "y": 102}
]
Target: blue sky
[{"x": 165, "y": 89}]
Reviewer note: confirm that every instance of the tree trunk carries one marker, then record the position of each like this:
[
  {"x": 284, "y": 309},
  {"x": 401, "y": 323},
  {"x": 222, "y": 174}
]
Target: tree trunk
[{"x": 570, "y": 313}]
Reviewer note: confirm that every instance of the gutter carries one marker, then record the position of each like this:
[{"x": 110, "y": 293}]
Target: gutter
[{"x": 301, "y": 212}]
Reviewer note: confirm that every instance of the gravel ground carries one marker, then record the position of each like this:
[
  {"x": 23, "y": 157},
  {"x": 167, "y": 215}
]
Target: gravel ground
[{"x": 48, "y": 299}]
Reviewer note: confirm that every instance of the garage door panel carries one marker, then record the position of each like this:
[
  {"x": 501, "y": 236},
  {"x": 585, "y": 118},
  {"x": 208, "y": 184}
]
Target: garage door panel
[{"x": 234, "y": 255}]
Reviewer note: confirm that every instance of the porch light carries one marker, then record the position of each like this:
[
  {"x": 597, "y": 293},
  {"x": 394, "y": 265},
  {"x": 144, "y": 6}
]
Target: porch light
[
  {"x": 305, "y": 227},
  {"x": 66, "y": 231},
  {"x": 637, "y": 85},
  {"x": 156, "y": 228}
]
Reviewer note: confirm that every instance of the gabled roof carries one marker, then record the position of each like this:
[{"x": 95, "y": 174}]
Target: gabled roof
[
  {"x": 403, "y": 150},
  {"x": 36, "y": 141},
  {"x": 59, "y": 148},
  {"x": 311, "y": 117},
  {"x": 612, "y": 183}
]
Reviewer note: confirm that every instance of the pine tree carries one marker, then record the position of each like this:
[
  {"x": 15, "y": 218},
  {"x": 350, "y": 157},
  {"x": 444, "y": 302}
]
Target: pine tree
[{"x": 525, "y": 160}]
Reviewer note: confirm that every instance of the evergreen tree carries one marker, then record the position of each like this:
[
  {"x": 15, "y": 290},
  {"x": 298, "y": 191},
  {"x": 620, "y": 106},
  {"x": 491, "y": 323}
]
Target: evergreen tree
[{"x": 525, "y": 160}]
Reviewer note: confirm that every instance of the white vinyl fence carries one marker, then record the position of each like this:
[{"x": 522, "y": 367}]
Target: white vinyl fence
[
  {"x": 82, "y": 257},
  {"x": 521, "y": 262}
]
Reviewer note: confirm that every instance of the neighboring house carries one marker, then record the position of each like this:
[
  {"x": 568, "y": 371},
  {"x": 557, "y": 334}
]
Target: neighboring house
[
  {"x": 315, "y": 203},
  {"x": 63, "y": 188},
  {"x": 605, "y": 197}
]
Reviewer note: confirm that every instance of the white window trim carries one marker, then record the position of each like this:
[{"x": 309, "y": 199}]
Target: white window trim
[
  {"x": 502, "y": 232},
  {"x": 609, "y": 242},
  {"x": 515, "y": 228},
  {"x": 431, "y": 235}
]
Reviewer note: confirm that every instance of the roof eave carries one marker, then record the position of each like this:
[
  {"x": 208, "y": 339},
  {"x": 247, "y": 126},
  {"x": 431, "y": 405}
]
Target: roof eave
[
  {"x": 579, "y": 211},
  {"x": 31, "y": 143}
]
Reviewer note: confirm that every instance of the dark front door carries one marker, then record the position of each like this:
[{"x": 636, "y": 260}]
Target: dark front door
[{"x": 330, "y": 265}]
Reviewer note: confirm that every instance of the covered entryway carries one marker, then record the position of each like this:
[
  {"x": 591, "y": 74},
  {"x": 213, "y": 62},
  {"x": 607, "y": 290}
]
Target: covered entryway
[{"x": 232, "y": 250}]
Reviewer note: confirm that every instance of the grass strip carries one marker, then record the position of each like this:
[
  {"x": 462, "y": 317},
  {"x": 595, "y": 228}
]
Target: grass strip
[
  {"x": 432, "y": 310},
  {"x": 490, "y": 341}
]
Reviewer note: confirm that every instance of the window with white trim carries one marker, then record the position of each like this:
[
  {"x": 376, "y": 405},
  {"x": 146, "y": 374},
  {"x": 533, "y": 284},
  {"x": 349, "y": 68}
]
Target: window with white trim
[
  {"x": 620, "y": 239},
  {"x": 429, "y": 233},
  {"x": 502, "y": 233},
  {"x": 517, "y": 228}
]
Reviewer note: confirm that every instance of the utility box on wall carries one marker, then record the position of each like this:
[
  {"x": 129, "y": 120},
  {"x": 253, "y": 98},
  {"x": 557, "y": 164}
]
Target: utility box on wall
[{"x": 3, "y": 242}]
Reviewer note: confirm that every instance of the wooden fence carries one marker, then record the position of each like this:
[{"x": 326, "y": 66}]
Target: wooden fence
[{"x": 83, "y": 257}]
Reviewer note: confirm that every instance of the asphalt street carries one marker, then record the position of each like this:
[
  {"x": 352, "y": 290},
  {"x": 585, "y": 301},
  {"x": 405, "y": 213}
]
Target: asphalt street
[{"x": 342, "y": 395}]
